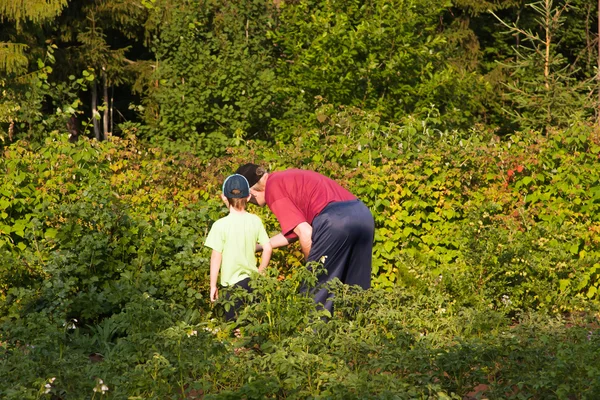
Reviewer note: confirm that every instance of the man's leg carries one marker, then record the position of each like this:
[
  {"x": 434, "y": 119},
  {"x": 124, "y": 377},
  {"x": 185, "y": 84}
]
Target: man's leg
[
  {"x": 337, "y": 230},
  {"x": 358, "y": 270}
]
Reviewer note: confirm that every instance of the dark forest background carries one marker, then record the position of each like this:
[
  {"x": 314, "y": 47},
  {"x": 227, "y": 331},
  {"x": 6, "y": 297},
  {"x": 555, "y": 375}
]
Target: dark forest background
[{"x": 212, "y": 73}]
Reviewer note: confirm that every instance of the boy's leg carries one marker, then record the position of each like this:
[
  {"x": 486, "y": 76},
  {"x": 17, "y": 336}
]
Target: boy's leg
[{"x": 231, "y": 314}]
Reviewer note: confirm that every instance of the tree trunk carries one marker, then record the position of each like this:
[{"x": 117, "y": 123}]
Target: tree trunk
[
  {"x": 11, "y": 128},
  {"x": 73, "y": 129},
  {"x": 95, "y": 113},
  {"x": 548, "y": 42},
  {"x": 112, "y": 101},
  {"x": 105, "y": 99},
  {"x": 588, "y": 40}
]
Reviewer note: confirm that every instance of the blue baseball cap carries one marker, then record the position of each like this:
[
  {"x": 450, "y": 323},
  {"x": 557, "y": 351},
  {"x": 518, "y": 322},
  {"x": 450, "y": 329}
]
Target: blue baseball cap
[{"x": 236, "y": 187}]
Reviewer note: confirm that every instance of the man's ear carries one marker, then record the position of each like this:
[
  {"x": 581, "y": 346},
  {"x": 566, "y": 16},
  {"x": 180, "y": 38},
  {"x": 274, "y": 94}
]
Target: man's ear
[
  {"x": 263, "y": 179},
  {"x": 252, "y": 199}
]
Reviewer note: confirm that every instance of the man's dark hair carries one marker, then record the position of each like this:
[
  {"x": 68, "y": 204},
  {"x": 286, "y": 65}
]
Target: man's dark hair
[{"x": 252, "y": 173}]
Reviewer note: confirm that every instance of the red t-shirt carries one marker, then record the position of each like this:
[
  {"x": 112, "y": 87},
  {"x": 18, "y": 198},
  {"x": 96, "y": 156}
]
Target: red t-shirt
[{"x": 297, "y": 196}]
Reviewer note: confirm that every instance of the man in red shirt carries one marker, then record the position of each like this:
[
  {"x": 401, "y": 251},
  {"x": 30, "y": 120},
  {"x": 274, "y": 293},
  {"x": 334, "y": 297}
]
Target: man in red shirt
[{"x": 329, "y": 221}]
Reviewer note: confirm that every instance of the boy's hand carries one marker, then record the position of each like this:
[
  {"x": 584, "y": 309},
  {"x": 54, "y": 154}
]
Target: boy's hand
[{"x": 214, "y": 294}]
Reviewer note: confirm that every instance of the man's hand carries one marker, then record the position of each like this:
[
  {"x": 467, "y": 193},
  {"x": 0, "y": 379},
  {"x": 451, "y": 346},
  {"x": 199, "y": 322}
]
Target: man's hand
[{"x": 214, "y": 294}]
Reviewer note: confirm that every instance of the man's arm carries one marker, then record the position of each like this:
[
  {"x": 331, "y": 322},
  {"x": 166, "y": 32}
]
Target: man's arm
[
  {"x": 304, "y": 232},
  {"x": 277, "y": 241},
  {"x": 215, "y": 266}
]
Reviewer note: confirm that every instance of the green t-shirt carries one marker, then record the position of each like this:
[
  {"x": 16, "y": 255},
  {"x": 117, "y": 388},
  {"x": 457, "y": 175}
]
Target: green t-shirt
[{"x": 235, "y": 237}]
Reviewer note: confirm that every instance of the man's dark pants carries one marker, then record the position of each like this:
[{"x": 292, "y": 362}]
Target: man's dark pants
[{"x": 344, "y": 233}]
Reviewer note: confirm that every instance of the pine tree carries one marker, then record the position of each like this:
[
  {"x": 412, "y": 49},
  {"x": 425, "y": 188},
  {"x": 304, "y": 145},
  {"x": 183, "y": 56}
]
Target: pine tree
[
  {"x": 94, "y": 51},
  {"x": 543, "y": 89},
  {"x": 95, "y": 36},
  {"x": 16, "y": 12}
]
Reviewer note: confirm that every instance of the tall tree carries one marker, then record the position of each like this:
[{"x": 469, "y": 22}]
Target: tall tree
[
  {"x": 98, "y": 36},
  {"x": 16, "y": 12},
  {"x": 545, "y": 88},
  {"x": 392, "y": 56},
  {"x": 15, "y": 16}
]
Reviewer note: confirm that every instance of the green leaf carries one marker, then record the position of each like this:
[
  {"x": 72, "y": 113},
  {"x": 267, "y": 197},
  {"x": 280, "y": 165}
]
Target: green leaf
[
  {"x": 592, "y": 292},
  {"x": 389, "y": 246},
  {"x": 50, "y": 233}
]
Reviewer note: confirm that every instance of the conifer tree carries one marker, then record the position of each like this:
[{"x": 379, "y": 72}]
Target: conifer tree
[
  {"x": 543, "y": 88},
  {"x": 12, "y": 55},
  {"x": 14, "y": 15},
  {"x": 97, "y": 35}
]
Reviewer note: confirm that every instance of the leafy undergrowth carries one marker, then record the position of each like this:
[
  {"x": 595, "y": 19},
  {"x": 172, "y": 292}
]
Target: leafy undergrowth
[
  {"x": 486, "y": 272},
  {"x": 378, "y": 344}
]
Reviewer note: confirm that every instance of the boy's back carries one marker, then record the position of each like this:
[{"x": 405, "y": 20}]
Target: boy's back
[
  {"x": 233, "y": 242},
  {"x": 235, "y": 237}
]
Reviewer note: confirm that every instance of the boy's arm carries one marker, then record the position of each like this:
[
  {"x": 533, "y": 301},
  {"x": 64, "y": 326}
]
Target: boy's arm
[
  {"x": 215, "y": 266},
  {"x": 265, "y": 257}
]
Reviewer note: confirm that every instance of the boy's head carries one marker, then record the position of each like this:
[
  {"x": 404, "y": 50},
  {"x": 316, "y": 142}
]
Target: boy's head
[{"x": 236, "y": 191}]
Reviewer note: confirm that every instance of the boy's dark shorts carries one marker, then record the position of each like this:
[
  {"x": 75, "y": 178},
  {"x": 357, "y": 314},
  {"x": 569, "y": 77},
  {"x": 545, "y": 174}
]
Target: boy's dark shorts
[{"x": 232, "y": 313}]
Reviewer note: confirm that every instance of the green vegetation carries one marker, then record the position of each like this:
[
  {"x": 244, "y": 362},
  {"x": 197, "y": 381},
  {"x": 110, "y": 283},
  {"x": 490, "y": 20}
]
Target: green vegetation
[
  {"x": 468, "y": 128},
  {"x": 485, "y": 268}
]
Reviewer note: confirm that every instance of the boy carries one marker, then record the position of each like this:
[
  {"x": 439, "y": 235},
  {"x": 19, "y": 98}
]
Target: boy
[{"x": 233, "y": 242}]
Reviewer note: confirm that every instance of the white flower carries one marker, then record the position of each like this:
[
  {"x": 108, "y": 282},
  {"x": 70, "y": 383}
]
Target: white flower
[
  {"x": 100, "y": 386},
  {"x": 213, "y": 331},
  {"x": 48, "y": 386},
  {"x": 71, "y": 324}
]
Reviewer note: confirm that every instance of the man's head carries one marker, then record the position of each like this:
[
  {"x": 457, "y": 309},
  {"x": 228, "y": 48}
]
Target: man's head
[
  {"x": 236, "y": 191},
  {"x": 257, "y": 179}
]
